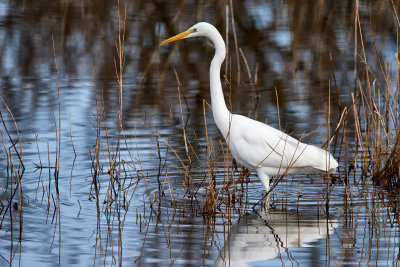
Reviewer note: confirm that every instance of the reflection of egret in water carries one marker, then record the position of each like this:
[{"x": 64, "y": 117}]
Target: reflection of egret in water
[{"x": 258, "y": 238}]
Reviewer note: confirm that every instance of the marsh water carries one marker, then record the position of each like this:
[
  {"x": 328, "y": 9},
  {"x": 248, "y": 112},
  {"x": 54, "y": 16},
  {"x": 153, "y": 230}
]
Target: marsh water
[{"x": 168, "y": 193}]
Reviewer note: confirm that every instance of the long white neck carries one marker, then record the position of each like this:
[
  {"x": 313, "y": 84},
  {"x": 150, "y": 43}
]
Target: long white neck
[{"x": 220, "y": 112}]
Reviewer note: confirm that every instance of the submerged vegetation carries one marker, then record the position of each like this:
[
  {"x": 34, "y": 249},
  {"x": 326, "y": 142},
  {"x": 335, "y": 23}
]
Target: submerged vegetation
[{"x": 143, "y": 156}]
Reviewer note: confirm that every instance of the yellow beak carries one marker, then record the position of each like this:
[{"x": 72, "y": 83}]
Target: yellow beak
[{"x": 176, "y": 37}]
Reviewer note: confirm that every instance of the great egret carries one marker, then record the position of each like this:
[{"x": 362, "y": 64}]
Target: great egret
[{"x": 255, "y": 145}]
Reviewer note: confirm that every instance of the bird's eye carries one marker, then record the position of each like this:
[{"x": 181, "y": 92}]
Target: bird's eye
[{"x": 195, "y": 30}]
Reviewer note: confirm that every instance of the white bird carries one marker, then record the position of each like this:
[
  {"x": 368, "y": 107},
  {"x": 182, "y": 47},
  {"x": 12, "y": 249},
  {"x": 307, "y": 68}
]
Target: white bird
[{"x": 255, "y": 145}]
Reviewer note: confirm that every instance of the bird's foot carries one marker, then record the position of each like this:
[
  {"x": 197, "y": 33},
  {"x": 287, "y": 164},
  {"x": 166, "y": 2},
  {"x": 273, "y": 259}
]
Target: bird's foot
[{"x": 265, "y": 203}]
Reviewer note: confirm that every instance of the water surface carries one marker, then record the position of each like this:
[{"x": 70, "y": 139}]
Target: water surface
[{"x": 157, "y": 202}]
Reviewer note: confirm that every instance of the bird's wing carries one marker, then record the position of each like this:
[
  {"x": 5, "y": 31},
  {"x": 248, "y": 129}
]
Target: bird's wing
[{"x": 257, "y": 144}]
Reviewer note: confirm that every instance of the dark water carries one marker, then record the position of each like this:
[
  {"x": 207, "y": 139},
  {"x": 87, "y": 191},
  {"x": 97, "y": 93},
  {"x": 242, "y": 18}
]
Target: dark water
[{"x": 149, "y": 204}]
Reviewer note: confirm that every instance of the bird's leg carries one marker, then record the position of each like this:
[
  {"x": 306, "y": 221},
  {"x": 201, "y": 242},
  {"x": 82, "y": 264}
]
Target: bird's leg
[
  {"x": 265, "y": 202},
  {"x": 265, "y": 181}
]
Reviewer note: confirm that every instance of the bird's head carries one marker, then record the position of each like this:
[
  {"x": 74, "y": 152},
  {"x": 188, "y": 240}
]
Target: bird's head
[{"x": 199, "y": 29}]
